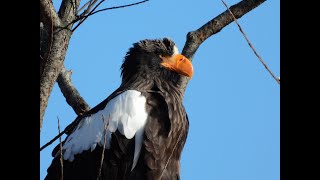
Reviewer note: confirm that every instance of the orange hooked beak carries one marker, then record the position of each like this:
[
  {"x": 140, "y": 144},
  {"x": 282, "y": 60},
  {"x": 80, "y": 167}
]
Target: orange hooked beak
[{"x": 178, "y": 63}]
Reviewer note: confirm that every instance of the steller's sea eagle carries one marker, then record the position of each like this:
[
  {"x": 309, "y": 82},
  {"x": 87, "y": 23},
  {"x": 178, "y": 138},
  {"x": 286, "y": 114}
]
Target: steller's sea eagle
[{"x": 147, "y": 128}]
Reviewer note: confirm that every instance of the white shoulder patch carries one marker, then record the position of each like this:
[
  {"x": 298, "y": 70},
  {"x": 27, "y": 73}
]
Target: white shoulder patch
[
  {"x": 127, "y": 113},
  {"x": 175, "y": 50}
]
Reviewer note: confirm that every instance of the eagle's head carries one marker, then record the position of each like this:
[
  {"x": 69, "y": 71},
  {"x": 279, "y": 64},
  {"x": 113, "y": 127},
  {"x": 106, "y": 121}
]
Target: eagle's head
[{"x": 158, "y": 58}]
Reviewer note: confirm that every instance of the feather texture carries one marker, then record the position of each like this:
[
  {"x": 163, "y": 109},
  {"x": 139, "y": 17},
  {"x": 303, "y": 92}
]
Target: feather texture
[
  {"x": 148, "y": 124},
  {"x": 127, "y": 115}
]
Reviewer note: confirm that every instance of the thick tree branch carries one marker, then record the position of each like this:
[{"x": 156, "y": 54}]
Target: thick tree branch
[
  {"x": 45, "y": 43},
  {"x": 68, "y": 10},
  {"x": 48, "y": 12},
  {"x": 56, "y": 55},
  {"x": 197, "y": 37},
  {"x": 71, "y": 94},
  {"x": 48, "y": 19}
]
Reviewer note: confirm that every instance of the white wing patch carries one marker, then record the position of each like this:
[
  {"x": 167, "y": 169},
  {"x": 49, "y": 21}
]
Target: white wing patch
[{"x": 127, "y": 114}]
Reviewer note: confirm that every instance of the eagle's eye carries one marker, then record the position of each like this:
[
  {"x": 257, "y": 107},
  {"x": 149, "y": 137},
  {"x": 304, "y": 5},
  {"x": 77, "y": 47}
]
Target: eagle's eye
[{"x": 162, "y": 56}]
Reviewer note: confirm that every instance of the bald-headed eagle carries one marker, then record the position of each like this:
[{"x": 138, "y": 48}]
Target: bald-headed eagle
[{"x": 147, "y": 123}]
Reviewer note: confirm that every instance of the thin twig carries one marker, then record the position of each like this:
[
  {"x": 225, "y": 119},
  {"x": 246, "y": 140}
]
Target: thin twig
[
  {"x": 89, "y": 4},
  {"x": 85, "y": 12},
  {"x": 83, "y": 18},
  {"x": 104, "y": 144},
  {"x": 61, "y": 157},
  {"x": 85, "y": 5},
  {"x": 171, "y": 155},
  {"x": 117, "y": 7},
  {"x": 50, "y": 142},
  {"x": 66, "y": 130},
  {"x": 255, "y": 52}
]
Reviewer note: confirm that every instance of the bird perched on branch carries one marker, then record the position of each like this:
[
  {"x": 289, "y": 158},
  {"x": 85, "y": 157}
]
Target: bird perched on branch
[{"x": 145, "y": 120}]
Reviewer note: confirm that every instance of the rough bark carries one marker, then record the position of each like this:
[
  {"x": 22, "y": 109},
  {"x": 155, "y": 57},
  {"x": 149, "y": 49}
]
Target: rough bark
[
  {"x": 48, "y": 20},
  {"x": 197, "y": 37},
  {"x": 71, "y": 94},
  {"x": 58, "y": 45}
]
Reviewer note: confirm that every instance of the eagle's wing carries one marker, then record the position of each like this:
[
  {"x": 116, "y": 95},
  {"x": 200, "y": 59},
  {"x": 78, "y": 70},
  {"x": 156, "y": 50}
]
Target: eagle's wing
[{"x": 127, "y": 116}]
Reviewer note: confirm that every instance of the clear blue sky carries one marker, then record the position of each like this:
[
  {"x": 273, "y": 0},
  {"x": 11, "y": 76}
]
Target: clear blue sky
[{"x": 232, "y": 102}]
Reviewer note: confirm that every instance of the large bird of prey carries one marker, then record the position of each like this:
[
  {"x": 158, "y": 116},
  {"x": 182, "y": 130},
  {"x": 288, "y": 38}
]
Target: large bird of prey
[{"x": 147, "y": 128}]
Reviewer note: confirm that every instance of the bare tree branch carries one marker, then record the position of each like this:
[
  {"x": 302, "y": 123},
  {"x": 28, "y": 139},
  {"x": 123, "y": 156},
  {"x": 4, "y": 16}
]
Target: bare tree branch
[
  {"x": 55, "y": 138},
  {"x": 104, "y": 144},
  {"x": 68, "y": 10},
  {"x": 54, "y": 62},
  {"x": 48, "y": 12},
  {"x": 83, "y": 17},
  {"x": 197, "y": 37},
  {"x": 71, "y": 94},
  {"x": 89, "y": 4},
  {"x": 251, "y": 46},
  {"x": 45, "y": 42},
  {"x": 117, "y": 7},
  {"x": 85, "y": 12},
  {"x": 61, "y": 157},
  {"x": 67, "y": 131},
  {"x": 48, "y": 19}
]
